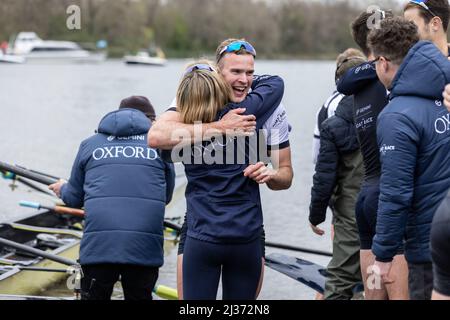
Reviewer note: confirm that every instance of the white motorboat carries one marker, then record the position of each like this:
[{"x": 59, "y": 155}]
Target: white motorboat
[
  {"x": 143, "y": 58},
  {"x": 9, "y": 58},
  {"x": 33, "y": 48}
]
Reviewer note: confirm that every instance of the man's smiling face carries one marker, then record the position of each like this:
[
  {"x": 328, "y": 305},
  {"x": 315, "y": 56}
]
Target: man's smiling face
[{"x": 237, "y": 70}]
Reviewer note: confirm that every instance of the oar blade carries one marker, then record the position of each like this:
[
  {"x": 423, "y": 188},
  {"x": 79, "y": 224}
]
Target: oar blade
[{"x": 306, "y": 272}]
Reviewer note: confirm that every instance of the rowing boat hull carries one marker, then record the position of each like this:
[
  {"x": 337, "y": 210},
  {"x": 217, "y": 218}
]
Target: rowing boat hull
[
  {"x": 30, "y": 283},
  {"x": 23, "y": 282}
]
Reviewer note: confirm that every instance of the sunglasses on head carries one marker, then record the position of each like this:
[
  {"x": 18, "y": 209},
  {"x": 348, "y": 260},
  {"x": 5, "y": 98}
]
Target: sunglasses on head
[
  {"x": 238, "y": 45},
  {"x": 422, "y": 3},
  {"x": 382, "y": 13},
  {"x": 199, "y": 66}
]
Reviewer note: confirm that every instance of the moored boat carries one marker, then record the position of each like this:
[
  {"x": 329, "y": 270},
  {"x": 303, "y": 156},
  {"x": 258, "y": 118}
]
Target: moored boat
[
  {"x": 32, "y": 48},
  {"x": 9, "y": 58},
  {"x": 143, "y": 58}
]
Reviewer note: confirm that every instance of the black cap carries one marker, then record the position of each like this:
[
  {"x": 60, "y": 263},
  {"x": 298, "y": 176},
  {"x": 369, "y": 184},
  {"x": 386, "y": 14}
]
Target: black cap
[{"x": 139, "y": 103}]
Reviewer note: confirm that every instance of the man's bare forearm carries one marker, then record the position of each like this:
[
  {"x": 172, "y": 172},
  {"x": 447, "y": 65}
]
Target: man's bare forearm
[
  {"x": 170, "y": 131},
  {"x": 281, "y": 162},
  {"x": 167, "y": 134},
  {"x": 282, "y": 180}
]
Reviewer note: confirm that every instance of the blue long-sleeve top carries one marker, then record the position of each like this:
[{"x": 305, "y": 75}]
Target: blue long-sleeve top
[{"x": 222, "y": 204}]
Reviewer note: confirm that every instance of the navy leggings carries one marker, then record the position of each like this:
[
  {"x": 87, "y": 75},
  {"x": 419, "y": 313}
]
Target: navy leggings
[{"x": 204, "y": 263}]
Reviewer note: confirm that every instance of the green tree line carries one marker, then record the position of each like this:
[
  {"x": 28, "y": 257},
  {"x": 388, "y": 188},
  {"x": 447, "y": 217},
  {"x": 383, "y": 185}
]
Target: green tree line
[{"x": 184, "y": 28}]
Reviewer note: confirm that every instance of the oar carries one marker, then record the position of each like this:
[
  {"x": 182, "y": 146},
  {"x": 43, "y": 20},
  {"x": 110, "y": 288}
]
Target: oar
[
  {"x": 11, "y": 176},
  {"x": 166, "y": 292},
  {"x": 79, "y": 212},
  {"x": 39, "y": 172},
  {"x": 70, "y": 211},
  {"x": 37, "y": 252},
  {"x": 172, "y": 225},
  {"x": 306, "y": 272},
  {"x": 299, "y": 249},
  {"x": 177, "y": 227},
  {"x": 26, "y": 173},
  {"x": 34, "y": 187},
  {"x": 55, "y": 208}
]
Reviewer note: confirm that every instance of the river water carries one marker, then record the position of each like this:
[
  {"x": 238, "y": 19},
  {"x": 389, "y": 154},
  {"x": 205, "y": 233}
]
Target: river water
[{"x": 47, "y": 110}]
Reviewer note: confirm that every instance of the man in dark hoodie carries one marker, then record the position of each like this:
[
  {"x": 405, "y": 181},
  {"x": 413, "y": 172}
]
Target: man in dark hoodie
[
  {"x": 338, "y": 178},
  {"x": 124, "y": 187},
  {"x": 414, "y": 140}
]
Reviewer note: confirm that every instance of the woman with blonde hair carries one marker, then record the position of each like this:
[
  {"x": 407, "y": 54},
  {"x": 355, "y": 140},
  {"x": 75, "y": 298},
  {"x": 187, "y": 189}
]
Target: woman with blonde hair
[
  {"x": 202, "y": 93},
  {"x": 224, "y": 216}
]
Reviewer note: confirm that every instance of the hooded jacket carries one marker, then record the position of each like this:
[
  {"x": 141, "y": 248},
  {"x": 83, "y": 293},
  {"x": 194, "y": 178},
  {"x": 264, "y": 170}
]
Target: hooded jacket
[
  {"x": 370, "y": 98},
  {"x": 414, "y": 139},
  {"x": 124, "y": 187}
]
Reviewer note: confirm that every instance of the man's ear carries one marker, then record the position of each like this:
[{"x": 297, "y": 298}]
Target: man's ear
[
  {"x": 384, "y": 65},
  {"x": 436, "y": 24}
]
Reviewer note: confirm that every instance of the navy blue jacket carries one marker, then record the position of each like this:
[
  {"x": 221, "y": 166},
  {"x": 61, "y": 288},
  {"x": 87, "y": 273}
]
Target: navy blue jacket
[
  {"x": 124, "y": 187},
  {"x": 414, "y": 139},
  {"x": 222, "y": 204},
  {"x": 370, "y": 98},
  {"x": 337, "y": 138}
]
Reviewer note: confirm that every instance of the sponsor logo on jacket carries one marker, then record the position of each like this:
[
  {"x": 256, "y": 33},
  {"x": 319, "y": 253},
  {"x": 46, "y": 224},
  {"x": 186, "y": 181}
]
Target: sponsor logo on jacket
[
  {"x": 442, "y": 124},
  {"x": 363, "y": 68},
  {"x": 384, "y": 149},
  {"x": 364, "y": 123},
  {"x": 363, "y": 109},
  {"x": 138, "y": 137},
  {"x": 280, "y": 117},
  {"x": 124, "y": 152}
]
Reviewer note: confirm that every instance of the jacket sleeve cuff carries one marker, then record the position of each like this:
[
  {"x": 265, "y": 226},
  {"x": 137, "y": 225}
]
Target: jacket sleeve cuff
[
  {"x": 69, "y": 197},
  {"x": 315, "y": 220},
  {"x": 63, "y": 190},
  {"x": 383, "y": 259}
]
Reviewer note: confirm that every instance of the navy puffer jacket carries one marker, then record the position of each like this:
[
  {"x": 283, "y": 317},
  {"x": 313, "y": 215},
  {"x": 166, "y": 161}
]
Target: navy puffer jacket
[
  {"x": 414, "y": 139},
  {"x": 338, "y": 140},
  {"x": 124, "y": 187}
]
